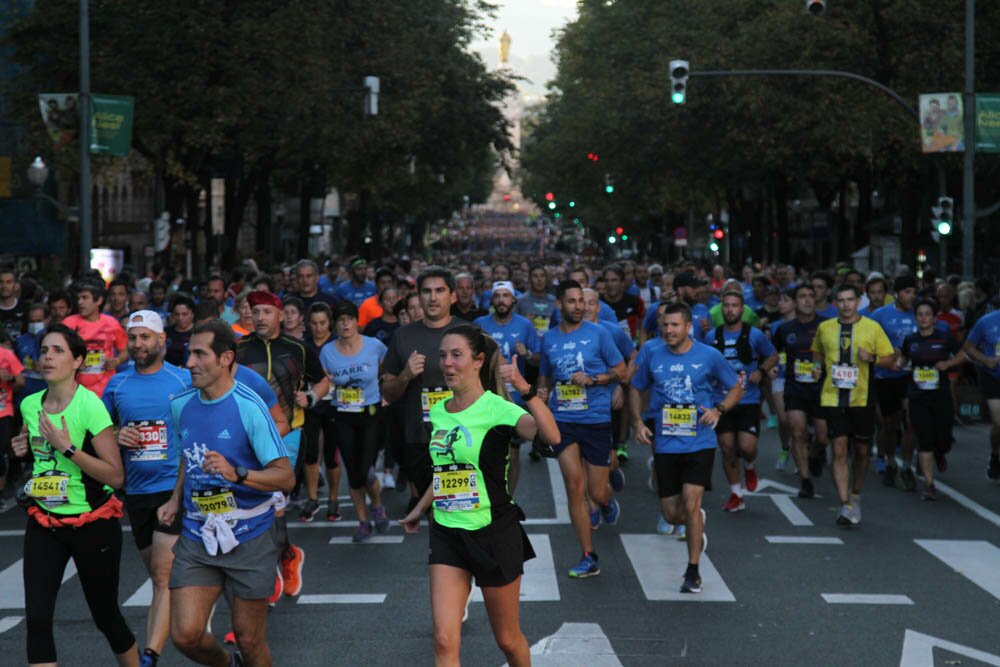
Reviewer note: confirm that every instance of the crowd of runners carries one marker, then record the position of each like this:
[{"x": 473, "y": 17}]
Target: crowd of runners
[{"x": 203, "y": 409}]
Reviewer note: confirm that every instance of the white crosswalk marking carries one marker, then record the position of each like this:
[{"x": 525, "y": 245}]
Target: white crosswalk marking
[
  {"x": 918, "y": 651},
  {"x": 859, "y": 598},
  {"x": 350, "y": 598},
  {"x": 539, "y": 583},
  {"x": 575, "y": 644},
  {"x": 976, "y": 560},
  {"x": 142, "y": 597},
  {"x": 659, "y": 563},
  {"x": 8, "y": 622},
  {"x": 795, "y": 539},
  {"x": 12, "y": 585},
  {"x": 374, "y": 539}
]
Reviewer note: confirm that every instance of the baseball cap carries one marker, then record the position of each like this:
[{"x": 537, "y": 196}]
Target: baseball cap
[
  {"x": 504, "y": 284},
  {"x": 145, "y": 318},
  {"x": 261, "y": 298}
]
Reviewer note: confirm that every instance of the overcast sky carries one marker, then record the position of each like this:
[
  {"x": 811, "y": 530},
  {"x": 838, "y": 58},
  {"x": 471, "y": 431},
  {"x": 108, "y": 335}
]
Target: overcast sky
[{"x": 530, "y": 24}]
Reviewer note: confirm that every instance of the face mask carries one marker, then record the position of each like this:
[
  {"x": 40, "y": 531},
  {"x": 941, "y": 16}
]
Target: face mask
[{"x": 36, "y": 327}]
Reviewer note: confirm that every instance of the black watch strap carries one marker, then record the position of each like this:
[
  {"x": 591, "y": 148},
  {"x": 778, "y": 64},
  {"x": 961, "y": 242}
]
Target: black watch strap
[
  {"x": 721, "y": 408},
  {"x": 241, "y": 474},
  {"x": 530, "y": 394}
]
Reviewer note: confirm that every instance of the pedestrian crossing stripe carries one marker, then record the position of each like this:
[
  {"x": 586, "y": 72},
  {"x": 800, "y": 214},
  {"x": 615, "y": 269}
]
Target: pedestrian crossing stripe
[
  {"x": 660, "y": 565},
  {"x": 12, "y": 584},
  {"x": 539, "y": 582},
  {"x": 976, "y": 560}
]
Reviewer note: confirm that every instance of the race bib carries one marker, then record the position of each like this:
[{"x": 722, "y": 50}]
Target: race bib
[
  {"x": 50, "y": 488},
  {"x": 926, "y": 379},
  {"x": 214, "y": 501},
  {"x": 844, "y": 376},
  {"x": 153, "y": 442},
  {"x": 350, "y": 399},
  {"x": 803, "y": 371},
  {"x": 782, "y": 359},
  {"x": 93, "y": 363},
  {"x": 541, "y": 324},
  {"x": 456, "y": 488},
  {"x": 679, "y": 420},
  {"x": 429, "y": 397},
  {"x": 570, "y": 397}
]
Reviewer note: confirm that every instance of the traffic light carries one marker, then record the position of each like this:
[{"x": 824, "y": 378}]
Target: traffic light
[
  {"x": 718, "y": 234},
  {"x": 609, "y": 184},
  {"x": 552, "y": 206},
  {"x": 714, "y": 247},
  {"x": 572, "y": 203},
  {"x": 612, "y": 239},
  {"x": 593, "y": 157},
  {"x": 619, "y": 230},
  {"x": 678, "y": 81},
  {"x": 624, "y": 237},
  {"x": 549, "y": 196},
  {"x": 815, "y": 7},
  {"x": 943, "y": 215}
]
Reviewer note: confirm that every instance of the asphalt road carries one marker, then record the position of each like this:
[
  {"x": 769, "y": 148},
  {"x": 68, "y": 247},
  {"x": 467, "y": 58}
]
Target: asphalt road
[{"x": 917, "y": 583}]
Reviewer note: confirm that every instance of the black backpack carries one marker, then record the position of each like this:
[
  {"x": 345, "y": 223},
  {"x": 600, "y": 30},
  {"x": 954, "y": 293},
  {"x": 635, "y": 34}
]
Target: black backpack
[{"x": 744, "y": 352}]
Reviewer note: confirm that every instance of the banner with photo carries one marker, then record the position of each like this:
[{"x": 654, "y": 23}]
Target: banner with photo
[
  {"x": 941, "y": 123},
  {"x": 988, "y": 123},
  {"x": 61, "y": 115}
]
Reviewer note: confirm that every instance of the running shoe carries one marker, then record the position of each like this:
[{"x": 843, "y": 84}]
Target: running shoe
[
  {"x": 279, "y": 588},
  {"x": 889, "y": 478},
  {"x": 692, "y": 584},
  {"x": 333, "y": 511},
  {"x": 929, "y": 492},
  {"x": 849, "y": 515},
  {"x": 782, "y": 463},
  {"x": 750, "y": 475},
  {"x": 664, "y": 527},
  {"x": 993, "y": 470},
  {"x": 146, "y": 660},
  {"x": 388, "y": 481},
  {"x": 229, "y": 637},
  {"x": 908, "y": 478},
  {"x": 534, "y": 454},
  {"x": 816, "y": 464},
  {"x": 291, "y": 569},
  {"x": 880, "y": 464},
  {"x": 236, "y": 660},
  {"x": 380, "y": 518},
  {"x": 617, "y": 478},
  {"x": 941, "y": 461},
  {"x": 807, "y": 490},
  {"x": 309, "y": 510},
  {"x": 587, "y": 567},
  {"x": 611, "y": 512},
  {"x": 772, "y": 421},
  {"x": 734, "y": 504},
  {"x": 682, "y": 532},
  {"x": 595, "y": 519},
  {"x": 363, "y": 532},
  {"x": 621, "y": 451}
]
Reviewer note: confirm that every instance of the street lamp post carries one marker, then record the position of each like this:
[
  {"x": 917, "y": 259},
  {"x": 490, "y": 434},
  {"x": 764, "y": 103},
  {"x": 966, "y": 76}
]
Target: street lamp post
[
  {"x": 86, "y": 230},
  {"x": 969, "y": 164}
]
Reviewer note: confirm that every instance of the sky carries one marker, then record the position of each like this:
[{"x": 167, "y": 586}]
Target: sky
[{"x": 530, "y": 24}]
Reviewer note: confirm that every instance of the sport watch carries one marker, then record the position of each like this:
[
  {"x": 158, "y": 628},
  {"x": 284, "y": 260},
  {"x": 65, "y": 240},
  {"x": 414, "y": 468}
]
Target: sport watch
[
  {"x": 721, "y": 408},
  {"x": 241, "y": 474}
]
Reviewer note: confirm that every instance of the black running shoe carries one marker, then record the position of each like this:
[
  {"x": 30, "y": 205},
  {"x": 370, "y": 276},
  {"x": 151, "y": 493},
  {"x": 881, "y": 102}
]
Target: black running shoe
[
  {"x": 807, "y": 490},
  {"x": 816, "y": 465},
  {"x": 692, "y": 584},
  {"x": 889, "y": 478},
  {"x": 908, "y": 478},
  {"x": 309, "y": 510}
]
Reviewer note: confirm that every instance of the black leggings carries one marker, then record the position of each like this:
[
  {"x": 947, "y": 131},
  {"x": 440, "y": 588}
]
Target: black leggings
[
  {"x": 96, "y": 549},
  {"x": 316, "y": 423},
  {"x": 357, "y": 438}
]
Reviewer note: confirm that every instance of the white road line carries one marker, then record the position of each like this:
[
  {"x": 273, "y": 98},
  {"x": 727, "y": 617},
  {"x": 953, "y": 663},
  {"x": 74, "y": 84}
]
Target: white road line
[
  {"x": 377, "y": 598},
  {"x": 559, "y": 500},
  {"x": 794, "y": 515},
  {"x": 976, "y": 560},
  {"x": 794, "y": 539},
  {"x": 575, "y": 644},
  {"x": 539, "y": 583},
  {"x": 8, "y": 622},
  {"x": 374, "y": 539},
  {"x": 859, "y": 598},
  {"x": 660, "y": 562},
  {"x": 12, "y": 584},
  {"x": 918, "y": 651},
  {"x": 968, "y": 503},
  {"x": 142, "y": 597},
  {"x": 764, "y": 483}
]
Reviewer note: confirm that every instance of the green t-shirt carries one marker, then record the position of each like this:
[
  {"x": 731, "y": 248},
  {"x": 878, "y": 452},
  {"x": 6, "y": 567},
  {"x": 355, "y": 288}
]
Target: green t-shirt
[
  {"x": 470, "y": 454},
  {"x": 749, "y": 316},
  {"x": 57, "y": 484}
]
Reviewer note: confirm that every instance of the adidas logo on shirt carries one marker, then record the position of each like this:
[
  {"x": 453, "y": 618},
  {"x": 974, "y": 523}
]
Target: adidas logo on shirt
[{"x": 224, "y": 435}]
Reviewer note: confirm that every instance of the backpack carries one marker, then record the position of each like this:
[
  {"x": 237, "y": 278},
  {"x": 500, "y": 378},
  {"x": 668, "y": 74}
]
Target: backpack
[{"x": 744, "y": 352}]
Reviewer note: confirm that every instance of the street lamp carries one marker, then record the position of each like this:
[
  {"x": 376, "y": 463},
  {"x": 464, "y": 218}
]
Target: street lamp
[{"x": 38, "y": 172}]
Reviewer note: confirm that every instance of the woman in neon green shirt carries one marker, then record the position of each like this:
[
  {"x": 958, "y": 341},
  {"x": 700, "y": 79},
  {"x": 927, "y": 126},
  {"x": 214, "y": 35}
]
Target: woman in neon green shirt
[
  {"x": 72, "y": 509},
  {"x": 476, "y": 529}
]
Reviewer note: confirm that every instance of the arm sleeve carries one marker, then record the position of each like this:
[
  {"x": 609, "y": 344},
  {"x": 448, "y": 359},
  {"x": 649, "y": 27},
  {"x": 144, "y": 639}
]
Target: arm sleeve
[
  {"x": 314, "y": 371},
  {"x": 508, "y": 413},
  {"x": 392, "y": 363},
  {"x": 763, "y": 345},
  {"x": 16, "y": 367},
  {"x": 380, "y": 349},
  {"x": 723, "y": 371},
  {"x": 108, "y": 398},
  {"x": 98, "y": 418},
  {"x": 883, "y": 347},
  {"x": 609, "y": 351},
  {"x": 121, "y": 340},
  {"x": 641, "y": 378},
  {"x": 544, "y": 367},
  {"x": 976, "y": 335},
  {"x": 260, "y": 428},
  {"x": 532, "y": 341}
]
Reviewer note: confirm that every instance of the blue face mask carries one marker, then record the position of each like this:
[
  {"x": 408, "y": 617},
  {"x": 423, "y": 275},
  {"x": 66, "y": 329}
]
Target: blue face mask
[{"x": 36, "y": 327}]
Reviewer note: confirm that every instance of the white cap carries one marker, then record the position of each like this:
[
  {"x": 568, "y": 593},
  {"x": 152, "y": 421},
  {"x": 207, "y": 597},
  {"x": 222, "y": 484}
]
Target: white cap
[
  {"x": 145, "y": 318},
  {"x": 504, "y": 284}
]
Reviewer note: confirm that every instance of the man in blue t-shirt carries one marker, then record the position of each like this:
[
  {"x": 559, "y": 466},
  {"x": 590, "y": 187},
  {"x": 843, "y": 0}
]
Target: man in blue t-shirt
[
  {"x": 983, "y": 347},
  {"x": 681, "y": 377},
  {"x": 138, "y": 400},
  {"x": 752, "y": 356},
  {"x": 358, "y": 288},
  {"x": 233, "y": 463},
  {"x": 516, "y": 336},
  {"x": 579, "y": 367}
]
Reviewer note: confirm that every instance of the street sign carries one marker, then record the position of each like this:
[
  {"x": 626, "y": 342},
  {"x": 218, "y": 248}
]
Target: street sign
[
  {"x": 988, "y": 123},
  {"x": 680, "y": 243},
  {"x": 680, "y": 233}
]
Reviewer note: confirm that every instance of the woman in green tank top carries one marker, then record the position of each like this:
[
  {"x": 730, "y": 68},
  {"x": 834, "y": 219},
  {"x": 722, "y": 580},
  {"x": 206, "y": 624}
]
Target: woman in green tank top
[{"x": 476, "y": 528}]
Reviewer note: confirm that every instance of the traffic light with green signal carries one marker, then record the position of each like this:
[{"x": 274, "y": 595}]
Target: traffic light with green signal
[{"x": 679, "y": 70}]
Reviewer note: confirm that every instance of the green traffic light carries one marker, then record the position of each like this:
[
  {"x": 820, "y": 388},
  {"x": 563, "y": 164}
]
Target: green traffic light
[
  {"x": 572, "y": 204},
  {"x": 944, "y": 227},
  {"x": 609, "y": 188},
  {"x": 558, "y": 215},
  {"x": 624, "y": 237},
  {"x": 677, "y": 98},
  {"x": 552, "y": 205}
]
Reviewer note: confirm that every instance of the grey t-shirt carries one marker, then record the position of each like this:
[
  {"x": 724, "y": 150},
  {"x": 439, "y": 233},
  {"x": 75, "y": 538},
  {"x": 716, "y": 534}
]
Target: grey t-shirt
[
  {"x": 427, "y": 341},
  {"x": 537, "y": 309}
]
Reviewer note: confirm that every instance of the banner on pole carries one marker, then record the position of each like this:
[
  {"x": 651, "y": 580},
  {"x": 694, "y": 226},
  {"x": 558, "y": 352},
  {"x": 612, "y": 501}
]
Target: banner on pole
[
  {"x": 941, "y": 128},
  {"x": 988, "y": 123},
  {"x": 61, "y": 116},
  {"x": 111, "y": 124}
]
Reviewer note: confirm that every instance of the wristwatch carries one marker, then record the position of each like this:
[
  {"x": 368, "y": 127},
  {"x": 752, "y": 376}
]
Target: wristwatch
[
  {"x": 241, "y": 474},
  {"x": 721, "y": 408},
  {"x": 593, "y": 378},
  {"x": 70, "y": 451},
  {"x": 530, "y": 394}
]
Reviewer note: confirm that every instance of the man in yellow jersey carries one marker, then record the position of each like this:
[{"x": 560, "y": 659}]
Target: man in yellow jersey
[{"x": 846, "y": 349}]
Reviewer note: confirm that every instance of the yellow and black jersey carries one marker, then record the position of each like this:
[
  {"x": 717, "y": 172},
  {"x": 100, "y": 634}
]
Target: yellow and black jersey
[{"x": 848, "y": 379}]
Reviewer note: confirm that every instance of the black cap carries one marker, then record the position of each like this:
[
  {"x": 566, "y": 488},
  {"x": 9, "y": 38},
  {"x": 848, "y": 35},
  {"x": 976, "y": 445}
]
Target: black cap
[
  {"x": 687, "y": 279},
  {"x": 904, "y": 282},
  {"x": 345, "y": 308}
]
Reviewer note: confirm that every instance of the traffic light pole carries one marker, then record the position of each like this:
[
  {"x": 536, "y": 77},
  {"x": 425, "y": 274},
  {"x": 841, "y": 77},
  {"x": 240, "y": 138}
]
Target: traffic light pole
[{"x": 969, "y": 164}]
